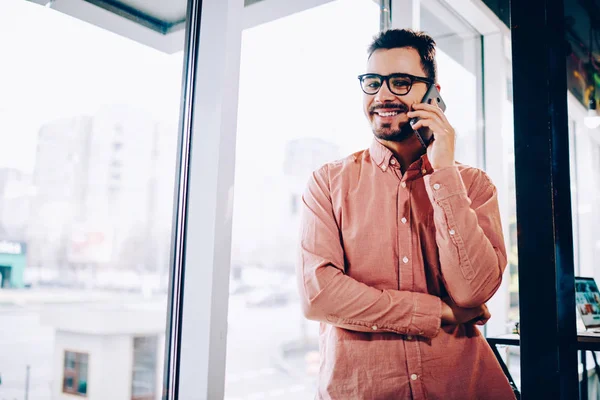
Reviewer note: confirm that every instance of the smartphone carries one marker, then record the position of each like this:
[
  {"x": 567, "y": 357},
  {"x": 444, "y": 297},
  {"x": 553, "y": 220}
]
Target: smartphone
[{"x": 432, "y": 96}]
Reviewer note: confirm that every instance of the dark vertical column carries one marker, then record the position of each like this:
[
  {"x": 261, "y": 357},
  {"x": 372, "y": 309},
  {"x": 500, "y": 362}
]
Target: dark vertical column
[{"x": 546, "y": 277}]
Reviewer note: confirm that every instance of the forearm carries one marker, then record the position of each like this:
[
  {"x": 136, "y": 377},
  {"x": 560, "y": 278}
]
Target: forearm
[
  {"x": 469, "y": 237},
  {"x": 347, "y": 303}
]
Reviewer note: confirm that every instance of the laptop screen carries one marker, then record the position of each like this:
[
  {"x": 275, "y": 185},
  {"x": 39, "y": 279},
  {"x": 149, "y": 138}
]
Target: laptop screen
[{"x": 587, "y": 298}]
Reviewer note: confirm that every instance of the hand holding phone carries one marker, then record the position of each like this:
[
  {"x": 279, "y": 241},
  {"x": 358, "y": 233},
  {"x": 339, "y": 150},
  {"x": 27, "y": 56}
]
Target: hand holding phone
[{"x": 432, "y": 96}]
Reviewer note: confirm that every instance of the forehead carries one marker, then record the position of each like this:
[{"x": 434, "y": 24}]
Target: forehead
[{"x": 389, "y": 61}]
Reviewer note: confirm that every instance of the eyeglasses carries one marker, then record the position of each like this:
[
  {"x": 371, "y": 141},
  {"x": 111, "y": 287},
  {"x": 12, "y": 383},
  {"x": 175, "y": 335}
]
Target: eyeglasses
[{"x": 399, "y": 84}]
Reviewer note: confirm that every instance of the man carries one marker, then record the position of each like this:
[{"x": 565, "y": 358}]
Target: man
[{"x": 401, "y": 248}]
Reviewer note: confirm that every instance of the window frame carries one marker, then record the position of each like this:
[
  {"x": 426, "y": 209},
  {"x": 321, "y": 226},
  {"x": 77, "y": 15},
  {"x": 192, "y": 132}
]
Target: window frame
[{"x": 76, "y": 372}]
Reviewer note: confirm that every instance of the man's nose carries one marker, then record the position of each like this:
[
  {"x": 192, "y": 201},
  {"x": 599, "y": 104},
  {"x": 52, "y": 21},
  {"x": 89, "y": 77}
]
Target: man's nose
[{"x": 384, "y": 94}]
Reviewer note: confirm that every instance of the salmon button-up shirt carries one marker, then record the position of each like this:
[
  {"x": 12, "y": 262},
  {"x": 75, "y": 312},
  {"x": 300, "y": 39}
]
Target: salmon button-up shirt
[{"x": 379, "y": 250}]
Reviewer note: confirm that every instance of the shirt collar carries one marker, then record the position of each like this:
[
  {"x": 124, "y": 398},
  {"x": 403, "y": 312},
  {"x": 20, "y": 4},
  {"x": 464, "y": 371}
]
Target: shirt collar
[{"x": 381, "y": 155}]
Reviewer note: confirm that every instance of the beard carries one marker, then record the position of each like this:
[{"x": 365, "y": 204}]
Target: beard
[
  {"x": 393, "y": 134},
  {"x": 387, "y": 131}
]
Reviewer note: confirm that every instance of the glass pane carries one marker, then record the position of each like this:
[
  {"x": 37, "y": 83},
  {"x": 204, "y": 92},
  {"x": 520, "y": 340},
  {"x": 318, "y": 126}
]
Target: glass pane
[
  {"x": 144, "y": 367},
  {"x": 459, "y": 75},
  {"x": 284, "y": 133},
  {"x": 70, "y": 360},
  {"x": 69, "y": 383},
  {"x": 88, "y": 141},
  {"x": 585, "y": 189}
]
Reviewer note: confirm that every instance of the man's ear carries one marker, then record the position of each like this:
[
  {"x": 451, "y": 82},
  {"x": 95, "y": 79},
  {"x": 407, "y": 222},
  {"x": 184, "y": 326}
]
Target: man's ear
[{"x": 439, "y": 88}]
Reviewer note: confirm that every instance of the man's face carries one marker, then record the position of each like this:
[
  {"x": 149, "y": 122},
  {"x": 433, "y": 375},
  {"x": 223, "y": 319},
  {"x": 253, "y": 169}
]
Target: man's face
[{"x": 394, "y": 126}]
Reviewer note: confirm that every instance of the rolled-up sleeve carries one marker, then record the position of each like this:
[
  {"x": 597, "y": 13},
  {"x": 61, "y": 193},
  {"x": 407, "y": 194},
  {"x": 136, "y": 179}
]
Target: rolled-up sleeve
[
  {"x": 468, "y": 234},
  {"x": 329, "y": 295}
]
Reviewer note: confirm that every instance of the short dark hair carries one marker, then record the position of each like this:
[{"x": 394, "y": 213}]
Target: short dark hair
[{"x": 420, "y": 41}]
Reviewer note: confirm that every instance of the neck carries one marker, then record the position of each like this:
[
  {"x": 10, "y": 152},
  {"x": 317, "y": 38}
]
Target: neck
[{"x": 406, "y": 152}]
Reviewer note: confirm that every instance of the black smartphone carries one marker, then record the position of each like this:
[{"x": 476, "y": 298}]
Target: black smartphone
[{"x": 432, "y": 96}]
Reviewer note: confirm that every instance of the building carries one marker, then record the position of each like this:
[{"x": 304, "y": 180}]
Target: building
[
  {"x": 104, "y": 193},
  {"x": 59, "y": 179},
  {"x": 15, "y": 201},
  {"x": 12, "y": 264},
  {"x": 108, "y": 351}
]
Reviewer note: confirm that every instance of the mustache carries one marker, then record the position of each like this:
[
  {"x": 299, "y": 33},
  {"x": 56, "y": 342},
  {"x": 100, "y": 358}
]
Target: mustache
[{"x": 391, "y": 106}]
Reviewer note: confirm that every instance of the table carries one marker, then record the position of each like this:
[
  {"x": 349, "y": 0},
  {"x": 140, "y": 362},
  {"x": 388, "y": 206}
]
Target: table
[{"x": 585, "y": 342}]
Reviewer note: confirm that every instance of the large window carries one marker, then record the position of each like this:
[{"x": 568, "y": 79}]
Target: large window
[
  {"x": 585, "y": 190},
  {"x": 75, "y": 373},
  {"x": 459, "y": 59},
  {"x": 88, "y": 143},
  {"x": 300, "y": 106}
]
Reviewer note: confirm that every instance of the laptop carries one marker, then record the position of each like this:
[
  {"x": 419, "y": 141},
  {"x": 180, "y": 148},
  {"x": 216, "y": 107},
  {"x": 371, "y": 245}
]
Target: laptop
[{"x": 587, "y": 299}]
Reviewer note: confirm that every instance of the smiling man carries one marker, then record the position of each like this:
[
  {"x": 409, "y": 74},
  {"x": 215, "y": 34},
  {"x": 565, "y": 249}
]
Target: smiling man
[{"x": 401, "y": 247}]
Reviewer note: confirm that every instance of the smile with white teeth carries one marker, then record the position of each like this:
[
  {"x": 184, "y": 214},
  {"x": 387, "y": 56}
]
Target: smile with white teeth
[{"x": 387, "y": 114}]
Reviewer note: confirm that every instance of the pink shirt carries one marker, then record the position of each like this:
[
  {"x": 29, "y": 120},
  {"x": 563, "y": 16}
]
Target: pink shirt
[{"x": 378, "y": 252}]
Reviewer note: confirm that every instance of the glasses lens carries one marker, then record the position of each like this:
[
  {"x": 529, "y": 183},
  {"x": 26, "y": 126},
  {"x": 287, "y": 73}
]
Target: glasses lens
[
  {"x": 370, "y": 84},
  {"x": 400, "y": 85}
]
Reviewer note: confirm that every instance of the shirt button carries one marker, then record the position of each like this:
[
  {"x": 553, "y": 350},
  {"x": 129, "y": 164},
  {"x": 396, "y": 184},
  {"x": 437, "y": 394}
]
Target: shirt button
[
  {"x": 393, "y": 161},
  {"x": 403, "y": 184},
  {"x": 405, "y": 260},
  {"x": 451, "y": 231},
  {"x": 424, "y": 171},
  {"x": 436, "y": 186},
  {"x": 403, "y": 220},
  {"x": 384, "y": 167},
  {"x": 414, "y": 377},
  {"x": 374, "y": 327}
]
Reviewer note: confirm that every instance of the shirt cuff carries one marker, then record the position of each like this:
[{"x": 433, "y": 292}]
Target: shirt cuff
[
  {"x": 444, "y": 183},
  {"x": 427, "y": 316}
]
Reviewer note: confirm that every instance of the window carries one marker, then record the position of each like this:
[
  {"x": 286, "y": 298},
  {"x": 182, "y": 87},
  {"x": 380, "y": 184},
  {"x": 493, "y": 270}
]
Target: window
[
  {"x": 459, "y": 74},
  {"x": 272, "y": 350},
  {"x": 143, "y": 385},
  {"x": 75, "y": 373},
  {"x": 585, "y": 192},
  {"x": 95, "y": 149}
]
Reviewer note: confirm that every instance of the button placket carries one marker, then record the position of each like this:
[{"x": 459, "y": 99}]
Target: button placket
[
  {"x": 414, "y": 368},
  {"x": 404, "y": 240}
]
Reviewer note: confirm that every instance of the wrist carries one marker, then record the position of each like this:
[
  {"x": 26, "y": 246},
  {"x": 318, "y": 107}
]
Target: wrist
[{"x": 437, "y": 167}]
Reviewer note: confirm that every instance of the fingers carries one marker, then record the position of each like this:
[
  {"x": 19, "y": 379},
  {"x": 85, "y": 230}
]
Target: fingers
[
  {"x": 434, "y": 108},
  {"x": 485, "y": 316},
  {"x": 435, "y": 126},
  {"x": 423, "y": 114}
]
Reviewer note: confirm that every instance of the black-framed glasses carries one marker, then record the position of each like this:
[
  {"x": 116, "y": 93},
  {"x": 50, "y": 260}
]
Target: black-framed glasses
[{"x": 399, "y": 84}]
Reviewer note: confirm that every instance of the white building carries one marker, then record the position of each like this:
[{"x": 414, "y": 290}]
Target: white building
[
  {"x": 111, "y": 352},
  {"x": 104, "y": 192},
  {"x": 15, "y": 202}
]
